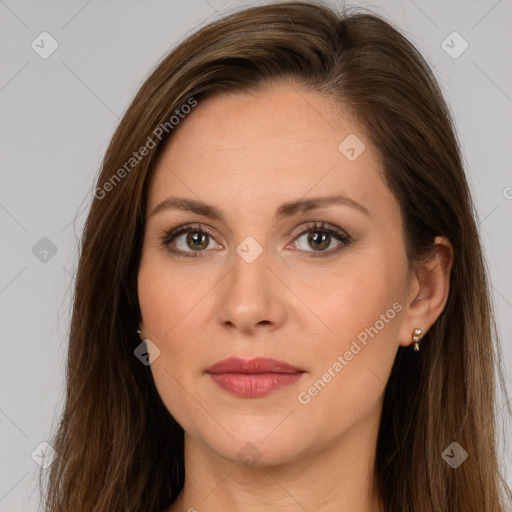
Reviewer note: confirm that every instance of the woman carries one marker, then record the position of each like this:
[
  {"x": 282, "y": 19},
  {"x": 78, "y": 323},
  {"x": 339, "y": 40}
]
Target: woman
[{"x": 281, "y": 300}]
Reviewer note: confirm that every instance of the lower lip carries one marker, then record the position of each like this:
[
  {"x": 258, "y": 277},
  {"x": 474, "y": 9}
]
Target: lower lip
[{"x": 254, "y": 384}]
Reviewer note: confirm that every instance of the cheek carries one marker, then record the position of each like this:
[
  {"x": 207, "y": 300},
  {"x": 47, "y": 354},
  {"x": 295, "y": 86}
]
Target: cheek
[
  {"x": 168, "y": 298},
  {"x": 353, "y": 298},
  {"x": 361, "y": 311},
  {"x": 172, "y": 305}
]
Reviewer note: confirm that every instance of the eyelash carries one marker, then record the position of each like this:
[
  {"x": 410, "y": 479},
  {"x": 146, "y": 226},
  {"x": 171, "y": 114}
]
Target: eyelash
[{"x": 167, "y": 236}]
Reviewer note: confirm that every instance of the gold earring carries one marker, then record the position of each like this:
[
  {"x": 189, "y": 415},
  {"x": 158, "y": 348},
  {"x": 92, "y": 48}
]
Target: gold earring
[{"x": 417, "y": 334}]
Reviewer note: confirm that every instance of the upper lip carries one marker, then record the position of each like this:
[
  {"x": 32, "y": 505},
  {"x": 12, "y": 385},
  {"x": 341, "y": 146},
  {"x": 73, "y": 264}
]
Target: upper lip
[{"x": 252, "y": 366}]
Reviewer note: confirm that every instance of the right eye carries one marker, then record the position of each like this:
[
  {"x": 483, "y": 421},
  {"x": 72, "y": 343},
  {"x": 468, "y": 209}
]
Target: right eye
[{"x": 190, "y": 240}]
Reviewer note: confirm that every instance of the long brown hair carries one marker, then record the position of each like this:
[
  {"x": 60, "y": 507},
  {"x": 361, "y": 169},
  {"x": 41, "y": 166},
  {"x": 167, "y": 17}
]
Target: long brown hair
[{"x": 118, "y": 447}]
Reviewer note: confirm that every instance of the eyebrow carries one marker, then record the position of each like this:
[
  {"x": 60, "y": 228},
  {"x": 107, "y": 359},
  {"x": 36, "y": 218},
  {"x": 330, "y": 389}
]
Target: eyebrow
[{"x": 287, "y": 209}]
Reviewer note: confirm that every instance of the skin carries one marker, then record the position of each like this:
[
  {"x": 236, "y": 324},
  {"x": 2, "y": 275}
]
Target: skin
[{"x": 247, "y": 154}]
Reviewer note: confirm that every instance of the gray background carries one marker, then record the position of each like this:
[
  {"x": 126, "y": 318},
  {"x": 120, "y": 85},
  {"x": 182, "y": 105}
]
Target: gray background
[{"x": 58, "y": 114}]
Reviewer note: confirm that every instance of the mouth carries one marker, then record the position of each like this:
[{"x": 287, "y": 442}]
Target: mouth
[{"x": 253, "y": 377}]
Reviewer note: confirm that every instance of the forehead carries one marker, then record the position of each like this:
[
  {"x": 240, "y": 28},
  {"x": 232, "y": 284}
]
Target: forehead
[{"x": 265, "y": 147}]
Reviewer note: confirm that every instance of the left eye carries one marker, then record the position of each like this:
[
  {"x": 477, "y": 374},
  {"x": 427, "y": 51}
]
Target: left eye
[{"x": 319, "y": 237}]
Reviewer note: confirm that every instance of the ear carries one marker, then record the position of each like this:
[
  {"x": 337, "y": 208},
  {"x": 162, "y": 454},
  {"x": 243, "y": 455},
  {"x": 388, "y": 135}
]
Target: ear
[{"x": 429, "y": 287}]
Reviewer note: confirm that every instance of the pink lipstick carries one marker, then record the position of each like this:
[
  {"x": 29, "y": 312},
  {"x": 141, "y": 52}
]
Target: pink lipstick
[{"x": 253, "y": 377}]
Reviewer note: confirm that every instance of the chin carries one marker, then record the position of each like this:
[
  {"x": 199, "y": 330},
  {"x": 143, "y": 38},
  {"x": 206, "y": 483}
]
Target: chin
[{"x": 254, "y": 444}]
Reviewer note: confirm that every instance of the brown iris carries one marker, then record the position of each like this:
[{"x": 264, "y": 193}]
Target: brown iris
[
  {"x": 317, "y": 240},
  {"x": 197, "y": 240}
]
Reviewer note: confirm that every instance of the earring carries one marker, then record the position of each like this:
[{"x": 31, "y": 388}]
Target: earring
[
  {"x": 138, "y": 332},
  {"x": 417, "y": 334}
]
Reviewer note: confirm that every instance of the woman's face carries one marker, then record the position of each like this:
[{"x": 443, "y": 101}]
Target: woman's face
[{"x": 322, "y": 287}]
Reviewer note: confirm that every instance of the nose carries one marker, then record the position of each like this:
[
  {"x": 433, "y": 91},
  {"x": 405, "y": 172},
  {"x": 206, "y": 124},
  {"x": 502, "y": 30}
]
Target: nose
[{"x": 253, "y": 298}]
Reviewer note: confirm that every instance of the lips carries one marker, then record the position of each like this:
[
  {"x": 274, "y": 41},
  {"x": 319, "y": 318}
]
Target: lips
[
  {"x": 253, "y": 377},
  {"x": 252, "y": 366}
]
